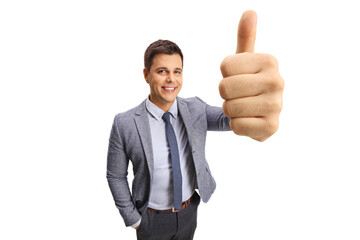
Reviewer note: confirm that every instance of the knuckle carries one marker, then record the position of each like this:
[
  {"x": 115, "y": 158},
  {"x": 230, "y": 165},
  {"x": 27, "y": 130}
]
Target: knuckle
[
  {"x": 223, "y": 89},
  {"x": 270, "y": 61},
  {"x": 274, "y": 82},
  {"x": 266, "y": 129},
  {"x": 235, "y": 127},
  {"x": 275, "y": 105},
  {"x": 226, "y": 108},
  {"x": 224, "y": 66},
  {"x": 271, "y": 126},
  {"x": 279, "y": 104},
  {"x": 278, "y": 82},
  {"x": 282, "y": 83}
]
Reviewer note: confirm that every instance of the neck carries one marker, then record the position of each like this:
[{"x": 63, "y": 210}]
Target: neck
[{"x": 165, "y": 106}]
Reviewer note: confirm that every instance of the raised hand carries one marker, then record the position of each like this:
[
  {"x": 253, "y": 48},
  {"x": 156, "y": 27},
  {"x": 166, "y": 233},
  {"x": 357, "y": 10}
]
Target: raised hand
[{"x": 251, "y": 86}]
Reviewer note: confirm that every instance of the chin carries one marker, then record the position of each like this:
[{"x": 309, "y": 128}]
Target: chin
[{"x": 170, "y": 98}]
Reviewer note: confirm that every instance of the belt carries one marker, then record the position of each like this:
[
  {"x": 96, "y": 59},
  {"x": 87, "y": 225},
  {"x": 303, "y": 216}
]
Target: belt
[{"x": 183, "y": 205}]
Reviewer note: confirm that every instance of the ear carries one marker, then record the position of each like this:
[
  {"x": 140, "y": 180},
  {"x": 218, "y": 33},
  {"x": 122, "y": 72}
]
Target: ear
[{"x": 145, "y": 72}]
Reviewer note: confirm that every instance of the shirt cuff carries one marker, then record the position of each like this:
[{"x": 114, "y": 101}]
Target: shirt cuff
[{"x": 136, "y": 224}]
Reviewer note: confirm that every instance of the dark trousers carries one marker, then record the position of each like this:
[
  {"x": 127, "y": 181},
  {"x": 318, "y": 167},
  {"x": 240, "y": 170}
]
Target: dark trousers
[{"x": 157, "y": 225}]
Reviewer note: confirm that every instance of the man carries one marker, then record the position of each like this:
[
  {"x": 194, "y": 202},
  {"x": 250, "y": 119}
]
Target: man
[{"x": 164, "y": 137}]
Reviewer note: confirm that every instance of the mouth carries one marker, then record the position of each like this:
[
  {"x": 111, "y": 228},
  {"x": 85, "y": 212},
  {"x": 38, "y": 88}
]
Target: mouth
[{"x": 169, "y": 89}]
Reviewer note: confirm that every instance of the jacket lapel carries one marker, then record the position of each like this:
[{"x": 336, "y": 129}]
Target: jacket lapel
[
  {"x": 143, "y": 127},
  {"x": 188, "y": 122}
]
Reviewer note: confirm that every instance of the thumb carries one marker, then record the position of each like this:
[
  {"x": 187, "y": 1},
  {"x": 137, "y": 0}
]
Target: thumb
[{"x": 246, "y": 32}]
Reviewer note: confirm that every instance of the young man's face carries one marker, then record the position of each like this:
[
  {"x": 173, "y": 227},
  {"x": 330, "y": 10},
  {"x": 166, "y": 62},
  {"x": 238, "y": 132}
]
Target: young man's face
[{"x": 164, "y": 79}]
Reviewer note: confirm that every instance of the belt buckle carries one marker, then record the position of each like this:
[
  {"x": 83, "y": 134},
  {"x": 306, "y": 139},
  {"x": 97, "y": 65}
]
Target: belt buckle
[{"x": 174, "y": 210}]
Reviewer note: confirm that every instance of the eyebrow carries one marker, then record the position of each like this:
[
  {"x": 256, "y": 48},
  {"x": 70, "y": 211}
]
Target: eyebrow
[
  {"x": 165, "y": 68},
  {"x": 160, "y": 68}
]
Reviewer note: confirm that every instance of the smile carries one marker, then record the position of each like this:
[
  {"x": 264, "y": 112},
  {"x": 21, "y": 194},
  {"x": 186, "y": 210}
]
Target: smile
[{"x": 169, "y": 89}]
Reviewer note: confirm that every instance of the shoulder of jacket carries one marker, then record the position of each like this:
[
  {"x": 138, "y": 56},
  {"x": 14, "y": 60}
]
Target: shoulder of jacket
[
  {"x": 191, "y": 100},
  {"x": 129, "y": 114}
]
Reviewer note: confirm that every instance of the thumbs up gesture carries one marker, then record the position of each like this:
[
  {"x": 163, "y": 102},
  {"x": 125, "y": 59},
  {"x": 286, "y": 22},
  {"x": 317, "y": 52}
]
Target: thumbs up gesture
[{"x": 251, "y": 86}]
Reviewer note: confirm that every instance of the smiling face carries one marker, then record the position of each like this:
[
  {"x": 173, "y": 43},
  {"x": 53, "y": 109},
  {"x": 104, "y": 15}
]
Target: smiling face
[{"x": 164, "y": 79}]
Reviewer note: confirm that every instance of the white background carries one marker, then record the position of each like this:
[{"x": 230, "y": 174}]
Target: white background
[{"x": 67, "y": 67}]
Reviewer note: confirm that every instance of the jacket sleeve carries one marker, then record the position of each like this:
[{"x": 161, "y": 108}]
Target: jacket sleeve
[
  {"x": 216, "y": 119},
  {"x": 117, "y": 171}
]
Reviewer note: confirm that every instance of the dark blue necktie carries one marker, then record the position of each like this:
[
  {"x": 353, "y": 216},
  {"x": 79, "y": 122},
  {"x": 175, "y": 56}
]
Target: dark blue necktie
[{"x": 175, "y": 160}]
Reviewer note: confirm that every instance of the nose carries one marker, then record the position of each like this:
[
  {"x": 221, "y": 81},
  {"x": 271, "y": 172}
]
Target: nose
[{"x": 170, "y": 78}]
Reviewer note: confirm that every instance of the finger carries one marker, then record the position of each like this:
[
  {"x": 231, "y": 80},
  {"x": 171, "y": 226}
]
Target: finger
[
  {"x": 257, "y": 128},
  {"x": 240, "y": 64},
  {"x": 247, "y": 63},
  {"x": 251, "y": 126},
  {"x": 246, "y": 32},
  {"x": 240, "y": 86},
  {"x": 259, "y": 106}
]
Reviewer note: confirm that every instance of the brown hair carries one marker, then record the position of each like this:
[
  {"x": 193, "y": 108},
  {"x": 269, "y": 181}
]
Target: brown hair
[{"x": 159, "y": 47}]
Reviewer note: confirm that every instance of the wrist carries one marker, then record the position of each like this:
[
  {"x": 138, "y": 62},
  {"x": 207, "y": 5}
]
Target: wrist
[{"x": 136, "y": 225}]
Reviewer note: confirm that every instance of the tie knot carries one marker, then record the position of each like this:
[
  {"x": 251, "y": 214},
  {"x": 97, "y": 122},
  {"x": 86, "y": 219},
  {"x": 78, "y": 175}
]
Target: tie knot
[{"x": 166, "y": 116}]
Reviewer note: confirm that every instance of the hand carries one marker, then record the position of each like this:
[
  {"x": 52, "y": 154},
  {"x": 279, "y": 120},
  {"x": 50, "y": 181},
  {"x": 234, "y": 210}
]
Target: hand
[{"x": 251, "y": 86}]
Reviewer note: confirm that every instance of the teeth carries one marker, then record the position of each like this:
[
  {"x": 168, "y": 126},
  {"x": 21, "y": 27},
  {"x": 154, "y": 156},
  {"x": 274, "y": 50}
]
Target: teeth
[{"x": 169, "y": 88}]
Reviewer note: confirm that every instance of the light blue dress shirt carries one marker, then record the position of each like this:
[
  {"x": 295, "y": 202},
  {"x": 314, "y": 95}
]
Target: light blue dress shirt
[{"x": 161, "y": 190}]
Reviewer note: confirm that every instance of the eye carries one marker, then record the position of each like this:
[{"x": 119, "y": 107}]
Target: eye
[
  {"x": 178, "y": 72},
  {"x": 162, "y": 71}
]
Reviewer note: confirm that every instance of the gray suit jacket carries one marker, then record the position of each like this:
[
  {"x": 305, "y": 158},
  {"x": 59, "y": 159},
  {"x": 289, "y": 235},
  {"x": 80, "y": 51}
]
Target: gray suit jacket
[{"x": 130, "y": 139}]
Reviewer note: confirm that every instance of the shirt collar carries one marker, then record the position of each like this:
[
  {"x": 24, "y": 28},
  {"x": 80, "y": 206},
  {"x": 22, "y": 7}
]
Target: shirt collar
[{"x": 157, "y": 113}]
